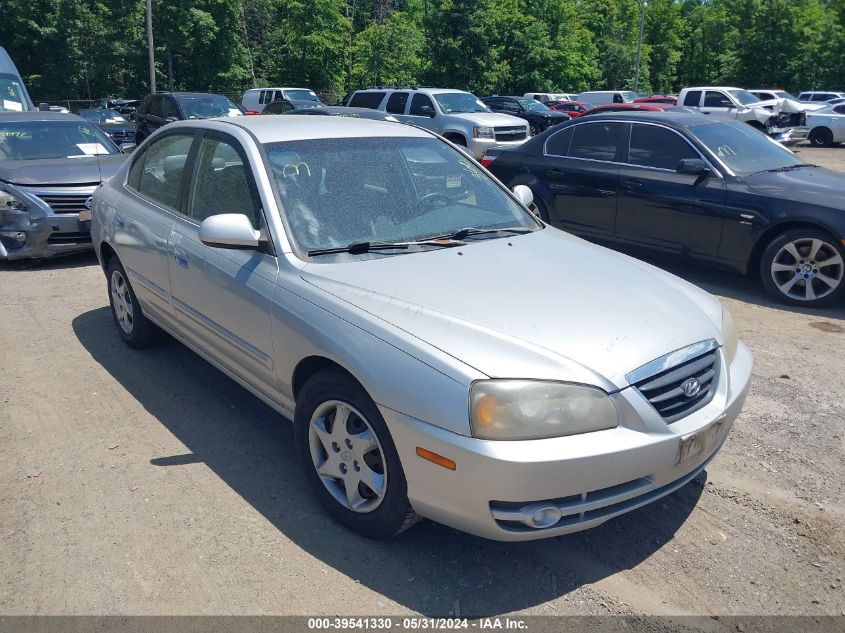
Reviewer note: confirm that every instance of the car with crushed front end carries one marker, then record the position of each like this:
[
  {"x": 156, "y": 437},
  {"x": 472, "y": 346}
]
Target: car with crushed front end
[
  {"x": 691, "y": 187},
  {"x": 50, "y": 165},
  {"x": 370, "y": 282}
]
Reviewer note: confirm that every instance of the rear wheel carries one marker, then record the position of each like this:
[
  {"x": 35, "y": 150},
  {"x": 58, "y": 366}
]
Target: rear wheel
[
  {"x": 349, "y": 458},
  {"x": 821, "y": 137},
  {"x": 804, "y": 267},
  {"x": 535, "y": 129},
  {"x": 134, "y": 328}
]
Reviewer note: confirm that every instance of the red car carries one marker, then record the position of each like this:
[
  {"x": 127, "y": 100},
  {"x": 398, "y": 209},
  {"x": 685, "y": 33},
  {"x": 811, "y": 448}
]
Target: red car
[
  {"x": 658, "y": 99},
  {"x": 635, "y": 107},
  {"x": 572, "y": 108}
]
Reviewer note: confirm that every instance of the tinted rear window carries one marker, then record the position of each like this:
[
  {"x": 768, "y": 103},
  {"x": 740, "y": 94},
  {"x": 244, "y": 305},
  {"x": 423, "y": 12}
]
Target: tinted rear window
[
  {"x": 693, "y": 98},
  {"x": 369, "y": 100},
  {"x": 595, "y": 141}
]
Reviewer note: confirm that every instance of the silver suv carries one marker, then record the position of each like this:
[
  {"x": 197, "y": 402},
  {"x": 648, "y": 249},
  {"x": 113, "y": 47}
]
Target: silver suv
[{"x": 456, "y": 115}]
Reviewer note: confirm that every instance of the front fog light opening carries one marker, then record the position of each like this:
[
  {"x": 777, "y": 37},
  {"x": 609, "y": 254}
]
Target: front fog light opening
[{"x": 544, "y": 517}]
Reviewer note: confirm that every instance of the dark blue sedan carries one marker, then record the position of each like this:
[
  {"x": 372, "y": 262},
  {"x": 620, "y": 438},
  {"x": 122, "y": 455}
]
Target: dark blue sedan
[{"x": 697, "y": 187}]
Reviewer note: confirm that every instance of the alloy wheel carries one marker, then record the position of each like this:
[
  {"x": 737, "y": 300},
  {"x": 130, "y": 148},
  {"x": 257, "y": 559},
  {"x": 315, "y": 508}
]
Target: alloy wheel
[
  {"x": 347, "y": 456},
  {"x": 807, "y": 269},
  {"x": 122, "y": 302}
]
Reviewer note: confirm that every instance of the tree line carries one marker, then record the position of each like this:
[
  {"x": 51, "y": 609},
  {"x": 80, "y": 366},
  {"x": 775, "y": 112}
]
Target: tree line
[{"x": 82, "y": 49}]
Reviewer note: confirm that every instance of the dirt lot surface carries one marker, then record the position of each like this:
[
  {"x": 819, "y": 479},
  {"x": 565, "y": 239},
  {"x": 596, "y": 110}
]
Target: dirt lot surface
[{"x": 149, "y": 483}]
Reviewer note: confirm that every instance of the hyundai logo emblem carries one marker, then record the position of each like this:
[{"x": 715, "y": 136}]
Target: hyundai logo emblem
[
  {"x": 89, "y": 203},
  {"x": 691, "y": 387}
]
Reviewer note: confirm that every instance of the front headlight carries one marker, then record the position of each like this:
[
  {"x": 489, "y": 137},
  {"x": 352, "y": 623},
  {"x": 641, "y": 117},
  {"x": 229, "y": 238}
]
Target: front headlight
[
  {"x": 532, "y": 409},
  {"x": 729, "y": 335},
  {"x": 11, "y": 208},
  {"x": 483, "y": 131}
]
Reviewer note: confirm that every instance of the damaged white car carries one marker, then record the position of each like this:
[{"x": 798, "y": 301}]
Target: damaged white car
[
  {"x": 50, "y": 165},
  {"x": 783, "y": 119}
]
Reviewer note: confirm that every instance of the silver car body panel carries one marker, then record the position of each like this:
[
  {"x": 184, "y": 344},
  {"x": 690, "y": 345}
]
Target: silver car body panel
[{"x": 416, "y": 330}]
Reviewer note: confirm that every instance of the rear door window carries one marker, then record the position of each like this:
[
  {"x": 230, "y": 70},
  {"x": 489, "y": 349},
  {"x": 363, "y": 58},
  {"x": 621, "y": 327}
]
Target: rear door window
[
  {"x": 693, "y": 98},
  {"x": 370, "y": 100},
  {"x": 397, "y": 102},
  {"x": 595, "y": 141},
  {"x": 558, "y": 143},
  {"x": 160, "y": 178}
]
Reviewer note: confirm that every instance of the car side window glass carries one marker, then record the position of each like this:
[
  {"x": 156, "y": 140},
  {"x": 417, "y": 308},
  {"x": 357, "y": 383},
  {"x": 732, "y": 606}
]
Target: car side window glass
[
  {"x": 278, "y": 96},
  {"x": 396, "y": 103},
  {"x": 713, "y": 99},
  {"x": 155, "y": 106},
  {"x": 839, "y": 109},
  {"x": 595, "y": 141},
  {"x": 136, "y": 170},
  {"x": 558, "y": 143},
  {"x": 164, "y": 167},
  {"x": 418, "y": 104},
  {"x": 509, "y": 106},
  {"x": 653, "y": 146},
  {"x": 169, "y": 108},
  {"x": 693, "y": 98},
  {"x": 223, "y": 183},
  {"x": 370, "y": 100}
]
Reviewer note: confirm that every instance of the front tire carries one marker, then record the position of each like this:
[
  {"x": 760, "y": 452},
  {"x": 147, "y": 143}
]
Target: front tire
[
  {"x": 821, "y": 137},
  {"x": 804, "y": 267},
  {"x": 134, "y": 328},
  {"x": 349, "y": 458}
]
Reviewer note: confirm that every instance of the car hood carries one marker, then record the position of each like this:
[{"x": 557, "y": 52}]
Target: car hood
[
  {"x": 812, "y": 185},
  {"x": 61, "y": 171},
  {"x": 787, "y": 106},
  {"x": 489, "y": 118},
  {"x": 545, "y": 305}
]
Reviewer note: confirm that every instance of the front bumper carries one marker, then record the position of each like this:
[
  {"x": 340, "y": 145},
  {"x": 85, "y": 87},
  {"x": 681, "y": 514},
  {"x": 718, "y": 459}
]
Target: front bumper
[
  {"x": 480, "y": 145},
  {"x": 790, "y": 136},
  {"x": 38, "y": 232},
  {"x": 590, "y": 478}
]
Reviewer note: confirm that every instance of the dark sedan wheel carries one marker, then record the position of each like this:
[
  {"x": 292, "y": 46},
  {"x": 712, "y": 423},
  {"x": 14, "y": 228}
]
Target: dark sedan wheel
[
  {"x": 535, "y": 129},
  {"x": 821, "y": 137},
  {"x": 804, "y": 267},
  {"x": 349, "y": 458}
]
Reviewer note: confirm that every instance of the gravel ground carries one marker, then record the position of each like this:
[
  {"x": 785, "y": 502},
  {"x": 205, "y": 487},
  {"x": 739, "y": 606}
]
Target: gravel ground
[{"x": 149, "y": 483}]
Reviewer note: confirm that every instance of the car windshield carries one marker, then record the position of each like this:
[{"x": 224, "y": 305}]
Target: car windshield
[
  {"x": 337, "y": 192},
  {"x": 628, "y": 97},
  {"x": 783, "y": 94},
  {"x": 301, "y": 95},
  {"x": 532, "y": 105},
  {"x": 460, "y": 102},
  {"x": 208, "y": 106},
  {"x": 38, "y": 140},
  {"x": 742, "y": 148},
  {"x": 11, "y": 95},
  {"x": 743, "y": 96},
  {"x": 103, "y": 116}
]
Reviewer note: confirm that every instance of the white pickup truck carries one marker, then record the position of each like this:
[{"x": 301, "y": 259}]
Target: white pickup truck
[{"x": 783, "y": 119}]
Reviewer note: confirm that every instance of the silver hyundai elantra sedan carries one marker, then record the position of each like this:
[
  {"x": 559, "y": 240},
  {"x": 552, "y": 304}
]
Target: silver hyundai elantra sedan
[{"x": 441, "y": 352}]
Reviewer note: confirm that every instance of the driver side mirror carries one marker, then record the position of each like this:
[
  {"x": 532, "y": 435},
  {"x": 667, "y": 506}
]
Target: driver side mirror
[
  {"x": 693, "y": 167},
  {"x": 426, "y": 110},
  {"x": 127, "y": 148},
  {"x": 171, "y": 119},
  {"x": 229, "y": 230},
  {"x": 524, "y": 195}
]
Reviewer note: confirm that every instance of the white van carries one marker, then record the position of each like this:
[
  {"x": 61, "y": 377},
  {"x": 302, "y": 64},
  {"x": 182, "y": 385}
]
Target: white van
[
  {"x": 13, "y": 95},
  {"x": 545, "y": 97},
  {"x": 255, "y": 99},
  {"x": 601, "y": 97}
]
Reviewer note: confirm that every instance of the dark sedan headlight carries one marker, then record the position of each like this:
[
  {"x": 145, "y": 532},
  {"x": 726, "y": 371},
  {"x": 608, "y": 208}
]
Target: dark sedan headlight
[{"x": 535, "y": 409}]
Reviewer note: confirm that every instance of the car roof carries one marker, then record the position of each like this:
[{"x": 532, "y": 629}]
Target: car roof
[
  {"x": 671, "y": 119},
  {"x": 279, "y": 88},
  {"x": 713, "y": 88},
  {"x": 603, "y": 92},
  {"x": 38, "y": 115},
  {"x": 191, "y": 94},
  {"x": 293, "y": 127}
]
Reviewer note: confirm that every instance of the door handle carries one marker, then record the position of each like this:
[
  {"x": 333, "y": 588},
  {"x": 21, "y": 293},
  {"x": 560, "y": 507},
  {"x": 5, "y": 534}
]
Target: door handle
[
  {"x": 629, "y": 183},
  {"x": 555, "y": 172},
  {"x": 181, "y": 257}
]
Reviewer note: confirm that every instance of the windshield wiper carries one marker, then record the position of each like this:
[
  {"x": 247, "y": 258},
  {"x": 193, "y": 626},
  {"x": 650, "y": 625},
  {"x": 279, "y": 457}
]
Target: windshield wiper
[
  {"x": 462, "y": 233},
  {"x": 787, "y": 168},
  {"x": 359, "y": 248}
]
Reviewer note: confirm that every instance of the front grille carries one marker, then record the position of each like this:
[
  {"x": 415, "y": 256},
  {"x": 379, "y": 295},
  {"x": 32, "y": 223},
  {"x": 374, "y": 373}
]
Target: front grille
[
  {"x": 66, "y": 203},
  {"x": 514, "y": 133},
  {"x": 665, "y": 390}
]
